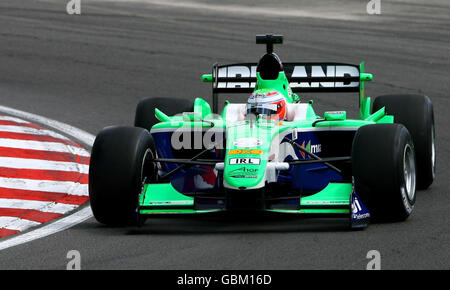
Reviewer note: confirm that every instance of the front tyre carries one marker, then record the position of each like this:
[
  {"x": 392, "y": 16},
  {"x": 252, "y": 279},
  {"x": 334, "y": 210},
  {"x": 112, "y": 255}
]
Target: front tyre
[
  {"x": 415, "y": 112},
  {"x": 117, "y": 170},
  {"x": 384, "y": 170}
]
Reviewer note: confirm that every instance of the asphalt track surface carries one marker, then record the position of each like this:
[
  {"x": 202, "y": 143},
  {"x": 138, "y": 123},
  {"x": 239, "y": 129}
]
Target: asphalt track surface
[{"x": 91, "y": 70}]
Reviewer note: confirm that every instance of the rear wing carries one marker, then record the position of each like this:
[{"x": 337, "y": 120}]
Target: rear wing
[{"x": 302, "y": 77}]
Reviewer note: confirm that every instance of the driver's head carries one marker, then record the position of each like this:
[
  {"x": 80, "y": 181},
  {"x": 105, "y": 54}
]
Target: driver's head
[{"x": 270, "y": 103}]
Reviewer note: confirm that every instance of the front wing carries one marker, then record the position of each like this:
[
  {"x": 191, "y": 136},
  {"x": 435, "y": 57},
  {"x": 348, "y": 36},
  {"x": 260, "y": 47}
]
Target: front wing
[{"x": 335, "y": 200}]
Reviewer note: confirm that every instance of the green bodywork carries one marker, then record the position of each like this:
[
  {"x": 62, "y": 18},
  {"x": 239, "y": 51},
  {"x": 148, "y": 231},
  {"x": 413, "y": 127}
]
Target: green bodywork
[{"x": 164, "y": 199}]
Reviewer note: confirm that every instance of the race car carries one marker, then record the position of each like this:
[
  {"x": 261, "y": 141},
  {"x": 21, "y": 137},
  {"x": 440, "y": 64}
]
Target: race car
[{"x": 271, "y": 153}]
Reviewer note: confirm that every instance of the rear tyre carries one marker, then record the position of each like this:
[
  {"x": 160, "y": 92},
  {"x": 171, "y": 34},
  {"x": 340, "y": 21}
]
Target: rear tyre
[
  {"x": 119, "y": 165},
  {"x": 384, "y": 171},
  {"x": 415, "y": 112},
  {"x": 145, "y": 110}
]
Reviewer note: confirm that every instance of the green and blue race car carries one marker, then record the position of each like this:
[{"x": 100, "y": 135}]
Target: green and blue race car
[{"x": 271, "y": 153}]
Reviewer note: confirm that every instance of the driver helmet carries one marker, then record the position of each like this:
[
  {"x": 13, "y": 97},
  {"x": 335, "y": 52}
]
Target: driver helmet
[{"x": 270, "y": 103}]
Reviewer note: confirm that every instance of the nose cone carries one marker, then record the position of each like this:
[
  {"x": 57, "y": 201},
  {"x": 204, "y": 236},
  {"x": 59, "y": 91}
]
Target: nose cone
[{"x": 245, "y": 163}]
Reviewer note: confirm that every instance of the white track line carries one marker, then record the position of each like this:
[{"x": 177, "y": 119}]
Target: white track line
[
  {"x": 63, "y": 223},
  {"x": 45, "y": 146},
  {"x": 26, "y": 163},
  {"x": 79, "y": 134},
  {"x": 44, "y": 206},
  {"x": 49, "y": 229},
  {"x": 13, "y": 119},
  {"x": 17, "y": 224},
  {"x": 69, "y": 187},
  {"x": 31, "y": 131}
]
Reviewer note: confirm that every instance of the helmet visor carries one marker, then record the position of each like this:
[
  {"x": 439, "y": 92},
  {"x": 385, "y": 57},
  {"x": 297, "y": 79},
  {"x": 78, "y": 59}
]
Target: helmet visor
[{"x": 262, "y": 109}]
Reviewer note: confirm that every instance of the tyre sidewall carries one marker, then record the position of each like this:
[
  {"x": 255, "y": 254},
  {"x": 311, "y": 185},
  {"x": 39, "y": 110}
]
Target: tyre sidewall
[
  {"x": 416, "y": 113},
  {"x": 378, "y": 166},
  {"x": 115, "y": 175}
]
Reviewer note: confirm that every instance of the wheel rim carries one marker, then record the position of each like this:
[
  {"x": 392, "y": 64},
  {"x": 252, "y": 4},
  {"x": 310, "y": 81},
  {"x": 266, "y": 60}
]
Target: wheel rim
[
  {"x": 433, "y": 152},
  {"x": 409, "y": 172},
  {"x": 144, "y": 159}
]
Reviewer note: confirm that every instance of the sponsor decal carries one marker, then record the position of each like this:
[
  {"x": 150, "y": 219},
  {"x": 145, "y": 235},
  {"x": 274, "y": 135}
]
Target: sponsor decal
[
  {"x": 361, "y": 216},
  {"x": 248, "y": 161},
  {"x": 315, "y": 148},
  {"x": 245, "y": 151},
  {"x": 325, "y": 70},
  {"x": 247, "y": 142},
  {"x": 357, "y": 211},
  {"x": 288, "y": 150},
  {"x": 244, "y": 172}
]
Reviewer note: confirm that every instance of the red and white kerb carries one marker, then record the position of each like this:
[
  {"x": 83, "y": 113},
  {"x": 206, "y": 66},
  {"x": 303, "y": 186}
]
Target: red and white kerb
[{"x": 43, "y": 175}]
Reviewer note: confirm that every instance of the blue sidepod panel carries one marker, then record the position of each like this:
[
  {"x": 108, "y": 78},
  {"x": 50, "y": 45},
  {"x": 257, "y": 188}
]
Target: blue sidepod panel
[
  {"x": 308, "y": 178},
  {"x": 198, "y": 178}
]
